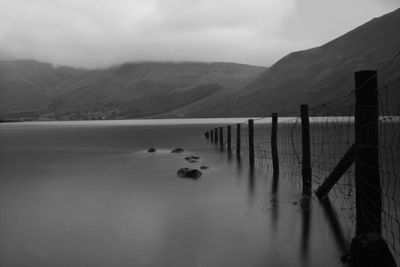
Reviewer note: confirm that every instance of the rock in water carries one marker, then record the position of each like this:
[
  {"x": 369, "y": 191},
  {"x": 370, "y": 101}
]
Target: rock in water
[
  {"x": 370, "y": 250},
  {"x": 204, "y": 167},
  {"x": 151, "y": 150},
  {"x": 192, "y": 159},
  {"x": 177, "y": 150},
  {"x": 189, "y": 173}
]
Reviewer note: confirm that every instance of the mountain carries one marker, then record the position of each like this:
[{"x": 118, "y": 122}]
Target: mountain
[
  {"x": 27, "y": 86},
  {"x": 324, "y": 73},
  {"x": 35, "y": 90},
  {"x": 130, "y": 90}
]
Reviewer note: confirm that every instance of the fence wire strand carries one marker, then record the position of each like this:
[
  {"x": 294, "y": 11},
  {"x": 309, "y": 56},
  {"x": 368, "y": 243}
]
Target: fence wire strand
[{"x": 332, "y": 135}]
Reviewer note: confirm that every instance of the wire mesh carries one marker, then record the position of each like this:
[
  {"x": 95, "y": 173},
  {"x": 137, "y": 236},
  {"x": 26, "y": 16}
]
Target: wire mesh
[{"x": 332, "y": 133}]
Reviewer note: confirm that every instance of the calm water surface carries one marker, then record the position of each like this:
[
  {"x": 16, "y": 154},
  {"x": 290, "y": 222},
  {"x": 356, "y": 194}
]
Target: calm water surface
[{"x": 78, "y": 194}]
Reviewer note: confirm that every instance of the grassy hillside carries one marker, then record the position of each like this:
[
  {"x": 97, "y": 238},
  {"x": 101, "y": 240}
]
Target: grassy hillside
[{"x": 320, "y": 74}]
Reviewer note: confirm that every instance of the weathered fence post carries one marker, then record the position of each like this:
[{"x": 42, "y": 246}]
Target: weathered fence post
[
  {"x": 238, "y": 141},
  {"x": 251, "y": 142},
  {"x": 274, "y": 144},
  {"x": 368, "y": 187},
  {"x": 216, "y": 136},
  {"x": 229, "y": 139},
  {"x": 221, "y": 137},
  {"x": 212, "y": 136},
  {"x": 306, "y": 159}
]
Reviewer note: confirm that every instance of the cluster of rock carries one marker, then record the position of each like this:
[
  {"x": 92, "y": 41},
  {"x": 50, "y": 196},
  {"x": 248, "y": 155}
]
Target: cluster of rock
[
  {"x": 185, "y": 172},
  {"x": 192, "y": 159}
]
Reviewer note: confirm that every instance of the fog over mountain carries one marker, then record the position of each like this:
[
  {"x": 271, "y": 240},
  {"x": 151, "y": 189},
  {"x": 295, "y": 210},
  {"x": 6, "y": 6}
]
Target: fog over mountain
[
  {"x": 36, "y": 90},
  {"x": 101, "y": 33}
]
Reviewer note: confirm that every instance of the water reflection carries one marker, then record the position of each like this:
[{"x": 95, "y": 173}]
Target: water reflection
[
  {"x": 305, "y": 233},
  {"x": 274, "y": 200},
  {"x": 229, "y": 156},
  {"x": 238, "y": 164},
  {"x": 251, "y": 183},
  {"x": 334, "y": 224}
]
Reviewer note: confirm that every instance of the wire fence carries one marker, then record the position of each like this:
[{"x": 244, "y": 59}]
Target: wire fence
[{"x": 332, "y": 134}]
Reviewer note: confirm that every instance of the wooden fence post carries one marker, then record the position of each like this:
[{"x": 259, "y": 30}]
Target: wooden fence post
[
  {"x": 216, "y": 135},
  {"x": 238, "y": 141},
  {"x": 368, "y": 187},
  {"x": 274, "y": 144},
  {"x": 340, "y": 169},
  {"x": 306, "y": 151},
  {"x": 251, "y": 142},
  {"x": 221, "y": 137},
  {"x": 229, "y": 137}
]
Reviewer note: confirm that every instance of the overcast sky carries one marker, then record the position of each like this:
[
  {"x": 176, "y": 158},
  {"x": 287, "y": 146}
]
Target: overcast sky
[{"x": 99, "y": 33}]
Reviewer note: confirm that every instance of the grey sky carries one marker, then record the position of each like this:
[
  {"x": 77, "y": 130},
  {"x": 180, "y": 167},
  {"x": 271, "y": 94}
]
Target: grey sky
[{"x": 93, "y": 33}]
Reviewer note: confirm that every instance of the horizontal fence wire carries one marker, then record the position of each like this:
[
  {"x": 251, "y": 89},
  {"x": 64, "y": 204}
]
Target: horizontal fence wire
[{"x": 332, "y": 134}]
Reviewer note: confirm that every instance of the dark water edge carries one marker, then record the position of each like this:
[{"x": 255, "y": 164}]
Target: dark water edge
[{"x": 76, "y": 194}]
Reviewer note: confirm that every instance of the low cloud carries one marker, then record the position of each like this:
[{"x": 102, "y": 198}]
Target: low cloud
[{"x": 94, "y": 33}]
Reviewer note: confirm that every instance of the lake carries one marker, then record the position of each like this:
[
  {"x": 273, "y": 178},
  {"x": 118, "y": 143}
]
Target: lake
[{"x": 89, "y": 194}]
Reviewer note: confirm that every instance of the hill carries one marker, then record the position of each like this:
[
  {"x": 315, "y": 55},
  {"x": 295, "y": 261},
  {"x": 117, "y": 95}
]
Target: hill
[
  {"x": 37, "y": 90},
  {"x": 323, "y": 73},
  {"x": 27, "y": 87}
]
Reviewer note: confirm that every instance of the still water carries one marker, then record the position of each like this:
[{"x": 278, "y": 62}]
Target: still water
[{"x": 88, "y": 194}]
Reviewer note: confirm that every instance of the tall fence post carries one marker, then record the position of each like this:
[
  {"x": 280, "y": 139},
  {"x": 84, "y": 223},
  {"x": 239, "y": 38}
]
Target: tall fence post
[
  {"x": 221, "y": 137},
  {"x": 251, "y": 142},
  {"x": 274, "y": 143},
  {"x": 306, "y": 151},
  {"x": 212, "y": 136},
  {"x": 216, "y": 136},
  {"x": 238, "y": 141},
  {"x": 229, "y": 139},
  {"x": 368, "y": 187}
]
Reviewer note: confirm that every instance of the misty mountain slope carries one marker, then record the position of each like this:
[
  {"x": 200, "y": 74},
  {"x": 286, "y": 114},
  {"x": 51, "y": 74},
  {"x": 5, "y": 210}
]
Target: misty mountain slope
[
  {"x": 147, "y": 88},
  {"x": 320, "y": 74},
  {"x": 27, "y": 86}
]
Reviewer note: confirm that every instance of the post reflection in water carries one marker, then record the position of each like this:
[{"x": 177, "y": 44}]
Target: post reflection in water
[
  {"x": 238, "y": 165},
  {"x": 305, "y": 233},
  {"x": 334, "y": 224},
  {"x": 229, "y": 156},
  {"x": 251, "y": 183},
  {"x": 274, "y": 199}
]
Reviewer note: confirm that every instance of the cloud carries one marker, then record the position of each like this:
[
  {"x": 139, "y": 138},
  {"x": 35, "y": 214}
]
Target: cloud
[{"x": 93, "y": 33}]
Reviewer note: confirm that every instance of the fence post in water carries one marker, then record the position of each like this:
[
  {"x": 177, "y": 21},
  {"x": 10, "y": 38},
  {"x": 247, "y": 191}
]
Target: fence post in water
[
  {"x": 216, "y": 135},
  {"x": 221, "y": 137},
  {"x": 229, "y": 137},
  {"x": 274, "y": 144},
  {"x": 368, "y": 187},
  {"x": 306, "y": 157},
  {"x": 251, "y": 142},
  {"x": 212, "y": 136},
  {"x": 238, "y": 141}
]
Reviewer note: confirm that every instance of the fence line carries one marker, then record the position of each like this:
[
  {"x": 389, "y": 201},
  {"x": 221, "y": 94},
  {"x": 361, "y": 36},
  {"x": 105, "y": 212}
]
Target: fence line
[{"x": 332, "y": 135}]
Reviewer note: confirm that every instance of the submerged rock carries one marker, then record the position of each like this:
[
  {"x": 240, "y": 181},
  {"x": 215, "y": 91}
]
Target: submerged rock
[
  {"x": 192, "y": 159},
  {"x": 189, "y": 173},
  {"x": 177, "y": 150},
  {"x": 151, "y": 150},
  {"x": 204, "y": 167}
]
